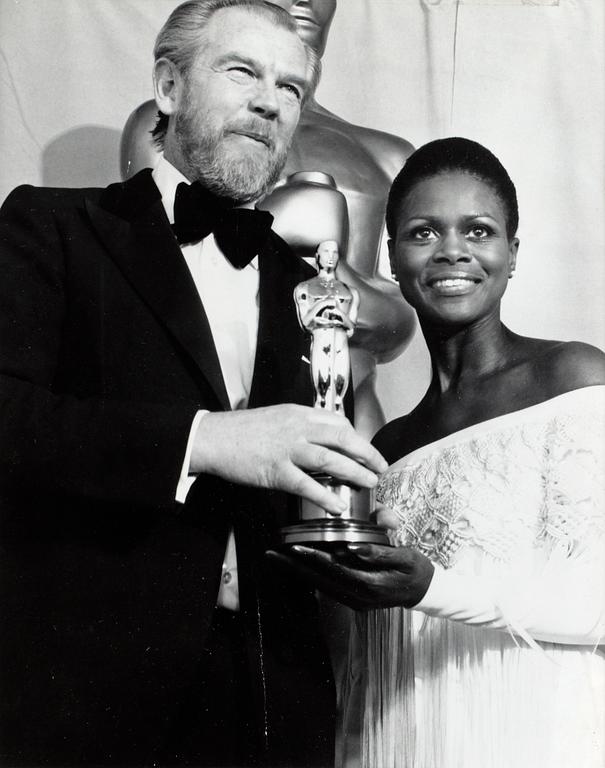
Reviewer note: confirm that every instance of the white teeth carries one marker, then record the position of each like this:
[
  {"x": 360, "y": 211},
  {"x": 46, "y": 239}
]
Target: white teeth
[{"x": 453, "y": 282}]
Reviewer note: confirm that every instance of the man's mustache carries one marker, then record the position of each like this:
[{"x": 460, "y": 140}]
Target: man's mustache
[{"x": 254, "y": 130}]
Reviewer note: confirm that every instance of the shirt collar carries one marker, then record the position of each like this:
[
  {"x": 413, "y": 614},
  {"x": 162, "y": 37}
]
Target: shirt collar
[{"x": 167, "y": 178}]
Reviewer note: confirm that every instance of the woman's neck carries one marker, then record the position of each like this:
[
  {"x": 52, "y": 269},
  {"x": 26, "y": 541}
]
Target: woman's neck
[{"x": 465, "y": 354}]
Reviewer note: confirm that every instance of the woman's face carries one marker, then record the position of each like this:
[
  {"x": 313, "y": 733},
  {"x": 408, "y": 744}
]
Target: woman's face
[{"x": 451, "y": 254}]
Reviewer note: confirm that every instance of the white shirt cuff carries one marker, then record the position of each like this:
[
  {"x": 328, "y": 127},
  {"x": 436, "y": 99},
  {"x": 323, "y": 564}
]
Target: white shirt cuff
[{"x": 186, "y": 480}]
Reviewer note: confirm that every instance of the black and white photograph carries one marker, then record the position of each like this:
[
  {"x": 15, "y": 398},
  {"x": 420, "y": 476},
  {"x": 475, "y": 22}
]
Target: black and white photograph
[{"x": 302, "y": 384}]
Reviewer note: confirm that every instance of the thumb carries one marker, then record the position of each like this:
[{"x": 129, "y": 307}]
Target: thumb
[{"x": 362, "y": 551}]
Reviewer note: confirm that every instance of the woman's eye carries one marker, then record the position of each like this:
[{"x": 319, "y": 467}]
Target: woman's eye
[
  {"x": 423, "y": 233},
  {"x": 478, "y": 232}
]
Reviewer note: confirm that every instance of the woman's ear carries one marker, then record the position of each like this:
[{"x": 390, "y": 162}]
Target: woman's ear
[
  {"x": 391, "y": 248},
  {"x": 513, "y": 249}
]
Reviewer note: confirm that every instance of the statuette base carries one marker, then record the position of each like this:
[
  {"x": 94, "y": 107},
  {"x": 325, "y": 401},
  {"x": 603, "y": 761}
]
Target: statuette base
[{"x": 334, "y": 531}]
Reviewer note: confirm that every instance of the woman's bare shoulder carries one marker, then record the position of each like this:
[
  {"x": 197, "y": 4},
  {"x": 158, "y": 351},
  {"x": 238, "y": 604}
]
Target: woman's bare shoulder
[{"x": 569, "y": 365}]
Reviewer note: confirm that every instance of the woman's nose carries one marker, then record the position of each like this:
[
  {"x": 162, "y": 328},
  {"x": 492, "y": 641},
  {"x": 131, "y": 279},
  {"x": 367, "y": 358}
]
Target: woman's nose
[{"x": 452, "y": 248}]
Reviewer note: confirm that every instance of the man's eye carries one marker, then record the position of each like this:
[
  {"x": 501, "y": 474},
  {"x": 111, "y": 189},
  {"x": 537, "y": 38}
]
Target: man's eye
[
  {"x": 291, "y": 90},
  {"x": 241, "y": 72}
]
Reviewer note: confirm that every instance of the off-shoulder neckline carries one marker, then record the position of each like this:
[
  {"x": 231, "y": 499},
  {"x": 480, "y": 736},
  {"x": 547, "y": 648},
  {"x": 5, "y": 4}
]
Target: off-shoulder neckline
[{"x": 534, "y": 412}]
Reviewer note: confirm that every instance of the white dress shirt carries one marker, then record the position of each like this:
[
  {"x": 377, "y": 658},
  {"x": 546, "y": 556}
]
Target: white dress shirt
[{"x": 230, "y": 299}]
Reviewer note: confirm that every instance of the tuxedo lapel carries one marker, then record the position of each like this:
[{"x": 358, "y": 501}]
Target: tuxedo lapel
[{"x": 132, "y": 223}]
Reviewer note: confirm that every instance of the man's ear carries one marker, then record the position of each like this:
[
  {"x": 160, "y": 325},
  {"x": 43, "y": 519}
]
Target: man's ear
[{"x": 167, "y": 86}]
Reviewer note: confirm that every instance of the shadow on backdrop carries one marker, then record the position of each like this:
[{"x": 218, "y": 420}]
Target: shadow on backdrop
[{"x": 86, "y": 156}]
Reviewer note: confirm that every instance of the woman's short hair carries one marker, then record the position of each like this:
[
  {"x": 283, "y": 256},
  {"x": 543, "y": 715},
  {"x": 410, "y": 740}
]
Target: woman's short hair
[
  {"x": 179, "y": 39},
  {"x": 453, "y": 154}
]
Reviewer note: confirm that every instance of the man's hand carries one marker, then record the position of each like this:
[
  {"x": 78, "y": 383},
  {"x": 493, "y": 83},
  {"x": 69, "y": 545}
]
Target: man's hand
[
  {"x": 276, "y": 447},
  {"x": 363, "y": 576}
]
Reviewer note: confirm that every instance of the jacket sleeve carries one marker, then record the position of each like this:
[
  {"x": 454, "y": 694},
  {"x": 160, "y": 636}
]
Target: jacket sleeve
[{"x": 55, "y": 440}]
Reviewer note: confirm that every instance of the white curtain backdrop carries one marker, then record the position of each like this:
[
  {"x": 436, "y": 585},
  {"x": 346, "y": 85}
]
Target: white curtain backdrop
[{"x": 523, "y": 77}]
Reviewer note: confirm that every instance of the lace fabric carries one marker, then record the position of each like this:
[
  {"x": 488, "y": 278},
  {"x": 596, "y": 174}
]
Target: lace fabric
[
  {"x": 497, "y": 666},
  {"x": 541, "y": 477}
]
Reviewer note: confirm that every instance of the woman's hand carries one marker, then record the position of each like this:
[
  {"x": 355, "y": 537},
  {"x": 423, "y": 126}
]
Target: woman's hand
[{"x": 363, "y": 576}]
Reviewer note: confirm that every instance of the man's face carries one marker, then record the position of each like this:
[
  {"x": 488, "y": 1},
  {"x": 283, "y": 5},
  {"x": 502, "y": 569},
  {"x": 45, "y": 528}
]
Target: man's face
[{"x": 241, "y": 103}]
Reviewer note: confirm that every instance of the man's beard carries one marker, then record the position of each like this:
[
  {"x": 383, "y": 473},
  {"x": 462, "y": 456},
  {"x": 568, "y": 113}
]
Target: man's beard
[{"x": 240, "y": 176}]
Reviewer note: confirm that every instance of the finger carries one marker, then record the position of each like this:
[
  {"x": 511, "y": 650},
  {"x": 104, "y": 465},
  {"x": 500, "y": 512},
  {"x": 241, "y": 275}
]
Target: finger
[
  {"x": 318, "y": 558},
  {"x": 386, "y": 517},
  {"x": 328, "y": 565},
  {"x": 368, "y": 554},
  {"x": 339, "y": 566},
  {"x": 335, "y": 431},
  {"x": 402, "y": 559},
  {"x": 337, "y": 434},
  {"x": 378, "y": 555},
  {"x": 319, "y": 458},
  {"x": 301, "y": 484},
  {"x": 349, "y": 585}
]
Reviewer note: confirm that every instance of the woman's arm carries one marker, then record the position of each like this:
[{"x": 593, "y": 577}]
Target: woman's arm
[{"x": 564, "y": 603}]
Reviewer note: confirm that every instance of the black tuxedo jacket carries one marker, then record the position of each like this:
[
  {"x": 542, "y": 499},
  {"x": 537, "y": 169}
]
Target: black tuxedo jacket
[{"x": 108, "y": 585}]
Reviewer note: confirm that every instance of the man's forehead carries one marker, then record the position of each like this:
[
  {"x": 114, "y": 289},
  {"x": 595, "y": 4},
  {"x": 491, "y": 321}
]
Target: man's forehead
[{"x": 244, "y": 30}]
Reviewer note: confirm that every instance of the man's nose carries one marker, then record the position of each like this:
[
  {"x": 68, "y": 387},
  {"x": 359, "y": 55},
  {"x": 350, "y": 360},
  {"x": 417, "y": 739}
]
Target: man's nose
[
  {"x": 264, "y": 100},
  {"x": 452, "y": 248}
]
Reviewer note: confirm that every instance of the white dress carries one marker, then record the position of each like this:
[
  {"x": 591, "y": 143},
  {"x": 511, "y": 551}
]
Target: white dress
[{"x": 500, "y": 665}]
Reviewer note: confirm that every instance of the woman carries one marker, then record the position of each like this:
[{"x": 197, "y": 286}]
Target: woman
[{"x": 495, "y": 500}]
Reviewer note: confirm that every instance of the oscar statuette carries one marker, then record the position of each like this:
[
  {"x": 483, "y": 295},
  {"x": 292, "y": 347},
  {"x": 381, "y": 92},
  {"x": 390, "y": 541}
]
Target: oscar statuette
[{"x": 327, "y": 309}]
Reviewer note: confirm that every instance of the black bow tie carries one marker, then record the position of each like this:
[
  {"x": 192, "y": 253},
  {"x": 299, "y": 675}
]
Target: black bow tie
[{"x": 239, "y": 232}]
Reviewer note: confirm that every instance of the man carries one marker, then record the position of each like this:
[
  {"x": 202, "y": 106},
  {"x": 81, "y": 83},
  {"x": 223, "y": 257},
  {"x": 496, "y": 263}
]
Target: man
[
  {"x": 147, "y": 390},
  {"x": 363, "y": 162}
]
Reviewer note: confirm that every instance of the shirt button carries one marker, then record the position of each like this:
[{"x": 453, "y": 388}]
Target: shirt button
[{"x": 227, "y": 576}]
